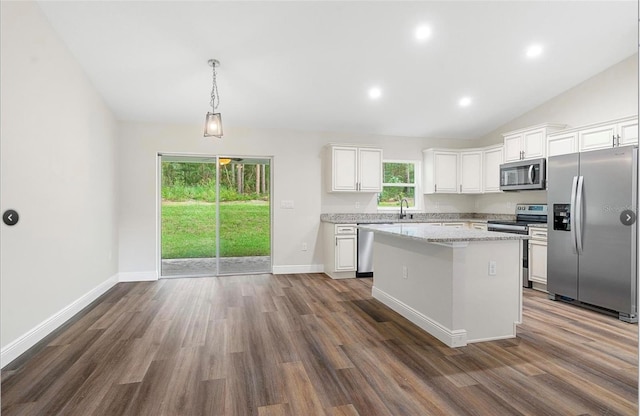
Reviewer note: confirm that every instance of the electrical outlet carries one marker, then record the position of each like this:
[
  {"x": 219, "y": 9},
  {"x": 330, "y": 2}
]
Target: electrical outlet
[
  {"x": 492, "y": 268},
  {"x": 304, "y": 246},
  {"x": 286, "y": 204},
  {"x": 357, "y": 204},
  {"x": 405, "y": 272}
]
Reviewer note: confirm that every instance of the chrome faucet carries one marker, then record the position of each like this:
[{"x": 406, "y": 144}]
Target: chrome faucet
[{"x": 402, "y": 214}]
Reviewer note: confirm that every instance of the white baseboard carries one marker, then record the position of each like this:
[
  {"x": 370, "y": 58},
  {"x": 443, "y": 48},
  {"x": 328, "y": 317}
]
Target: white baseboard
[
  {"x": 452, "y": 338},
  {"x": 14, "y": 349},
  {"x": 137, "y": 276},
  {"x": 299, "y": 268}
]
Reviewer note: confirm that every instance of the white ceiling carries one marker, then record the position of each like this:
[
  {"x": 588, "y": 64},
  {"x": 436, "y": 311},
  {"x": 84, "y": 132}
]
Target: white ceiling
[{"x": 309, "y": 65}]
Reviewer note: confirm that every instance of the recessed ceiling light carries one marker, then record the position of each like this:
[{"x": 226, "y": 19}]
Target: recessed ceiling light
[
  {"x": 464, "y": 102},
  {"x": 375, "y": 93},
  {"x": 423, "y": 32},
  {"x": 534, "y": 51}
]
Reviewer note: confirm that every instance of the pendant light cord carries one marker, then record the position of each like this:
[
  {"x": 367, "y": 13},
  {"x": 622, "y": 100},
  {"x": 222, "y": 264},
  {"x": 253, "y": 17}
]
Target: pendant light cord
[{"x": 215, "y": 99}]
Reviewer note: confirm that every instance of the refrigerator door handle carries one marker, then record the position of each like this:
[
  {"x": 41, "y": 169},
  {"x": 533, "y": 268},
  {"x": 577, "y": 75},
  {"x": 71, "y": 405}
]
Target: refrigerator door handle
[
  {"x": 572, "y": 213},
  {"x": 531, "y": 173},
  {"x": 579, "y": 214}
]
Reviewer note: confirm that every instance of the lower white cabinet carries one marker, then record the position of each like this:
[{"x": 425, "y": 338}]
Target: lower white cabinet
[
  {"x": 538, "y": 258},
  {"x": 341, "y": 247},
  {"x": 346, "y": 253}
]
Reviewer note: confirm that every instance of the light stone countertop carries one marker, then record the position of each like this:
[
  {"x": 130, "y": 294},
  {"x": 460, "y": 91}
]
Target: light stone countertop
[
  {"x": 380, "y": 218},
  {"x": 431, "y": 234}
]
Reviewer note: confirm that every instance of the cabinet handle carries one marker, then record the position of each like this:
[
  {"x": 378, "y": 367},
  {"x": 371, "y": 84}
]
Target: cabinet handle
[
  {"x": 435, "y": 188},
  {"x": 460, "y": 188},
  {"x": 618, "y": 140},
  {"x": 613, "y": 141}
]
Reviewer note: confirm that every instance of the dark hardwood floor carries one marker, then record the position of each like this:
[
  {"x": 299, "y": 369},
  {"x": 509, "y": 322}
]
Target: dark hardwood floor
[{"x": 304, "y": 345}]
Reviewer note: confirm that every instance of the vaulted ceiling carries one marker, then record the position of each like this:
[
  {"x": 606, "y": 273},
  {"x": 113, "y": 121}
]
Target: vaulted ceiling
[{"x": 311, "y": 65}]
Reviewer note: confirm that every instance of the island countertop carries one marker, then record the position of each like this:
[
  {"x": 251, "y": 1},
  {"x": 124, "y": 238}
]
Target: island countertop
[{"x": 430, "y": 234}]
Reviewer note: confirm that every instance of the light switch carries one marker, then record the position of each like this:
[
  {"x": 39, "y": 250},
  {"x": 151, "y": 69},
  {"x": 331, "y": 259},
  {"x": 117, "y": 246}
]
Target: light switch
[{"x": 286, "y": 204}]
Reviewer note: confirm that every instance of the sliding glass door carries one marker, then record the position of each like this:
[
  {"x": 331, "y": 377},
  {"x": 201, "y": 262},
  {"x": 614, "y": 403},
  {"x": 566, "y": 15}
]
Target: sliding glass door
[{"x": 215, "y": 215}]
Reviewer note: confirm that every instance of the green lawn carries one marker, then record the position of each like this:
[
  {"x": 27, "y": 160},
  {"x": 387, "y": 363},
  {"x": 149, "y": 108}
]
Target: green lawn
[{"x": 189, "y": 230}]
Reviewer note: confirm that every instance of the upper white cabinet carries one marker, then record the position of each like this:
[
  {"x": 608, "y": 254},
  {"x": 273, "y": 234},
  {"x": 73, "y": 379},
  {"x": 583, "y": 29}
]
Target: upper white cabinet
[
  {"x": 562, "y": 143},
  {"x": 620, "y": 132},
  {"x": 440, "y": 171},
  {"x": 492, "y": 158},
  {"x": 528, "y": 143},
  {"x": 628, "y": 131},
  {"x": 471, "y": 172},
  {"x": 355, "y": 169}
]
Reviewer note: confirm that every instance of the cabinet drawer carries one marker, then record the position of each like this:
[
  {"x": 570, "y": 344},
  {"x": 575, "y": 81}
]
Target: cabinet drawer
[
  {"x": 342, "y": 229},
  {"x": 454, "y": 224},
  {"x": 538, "y": 234}
]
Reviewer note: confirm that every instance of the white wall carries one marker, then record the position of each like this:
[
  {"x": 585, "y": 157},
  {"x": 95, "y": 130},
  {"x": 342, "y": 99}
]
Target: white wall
[
  {"x": 297, "y": 166},
  {"x": 608, "y": 95},
  {"x": 58, "y": 172}
]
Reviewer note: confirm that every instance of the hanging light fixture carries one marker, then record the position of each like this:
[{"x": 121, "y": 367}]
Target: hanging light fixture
[{"x": 213, "y": 121}]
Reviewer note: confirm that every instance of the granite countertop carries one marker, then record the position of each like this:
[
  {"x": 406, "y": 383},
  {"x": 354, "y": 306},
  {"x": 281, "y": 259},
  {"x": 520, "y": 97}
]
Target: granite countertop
[
  {"x": 538, "y": 225},
  {"x": 431, "y": 234},
  {"x": 379, "y": 218}
]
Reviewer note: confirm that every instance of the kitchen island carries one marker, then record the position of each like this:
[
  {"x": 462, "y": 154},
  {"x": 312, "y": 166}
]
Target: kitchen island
[{"x": 460, "y": 285}]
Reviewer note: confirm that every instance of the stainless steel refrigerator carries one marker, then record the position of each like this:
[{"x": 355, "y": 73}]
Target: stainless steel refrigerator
[{"x": 592, "y": 253}]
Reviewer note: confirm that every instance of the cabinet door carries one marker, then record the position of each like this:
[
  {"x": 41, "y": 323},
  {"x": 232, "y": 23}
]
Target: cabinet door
[
  {"x": 344, "y": 175},
  {"x": 454, "y": 224},
  {"x": 562, "y": 144},
  {"x": 491, "y": 169},
  {"x": 628, "y": 132},
  {"x": 370, "y": 162},
  {"x": 471, "y": 172},
  {"x": 596, "y": 137},
  {"x": 538, "y": 261},
  {"x": 512, "y": 147},
  {"x": 345, "y": 253},
  {"x": 534, "y": 143},
  {"x": 446, "y": 172}
]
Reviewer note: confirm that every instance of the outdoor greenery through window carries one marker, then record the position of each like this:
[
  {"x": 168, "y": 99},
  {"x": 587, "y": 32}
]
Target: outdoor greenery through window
[
  {"x": 398, "y": 182},
  {"x": 189, "y": 210}
]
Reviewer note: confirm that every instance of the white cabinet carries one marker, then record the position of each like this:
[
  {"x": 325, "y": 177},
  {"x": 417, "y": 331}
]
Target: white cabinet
[
  {"x": 345, "y": 253},
  {"x": 528, "y": 143},
  {"x": 628, "y": 132},
  {"x": 562, "y": 143},
  {"x": 440, "y": 171},
  {"x": 355, "y": 169},
  {"x": 454, "y": 224},
  {"x": 620, "y": 132},
  {"x": 600, "y": 137},
  {"x": 341, "y": 245},
  {"x": 492, "y": 159},
  {"x": 471, "y": 172},
  {"x": 478, "y": 226},
  {"x": 538, "y": 258}
]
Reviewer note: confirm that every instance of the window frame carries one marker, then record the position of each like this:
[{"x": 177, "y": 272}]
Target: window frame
[{"x": 417, "y": 175}]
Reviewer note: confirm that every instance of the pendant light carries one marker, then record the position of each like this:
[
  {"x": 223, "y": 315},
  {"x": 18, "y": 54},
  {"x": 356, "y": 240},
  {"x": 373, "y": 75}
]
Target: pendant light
[{"x": 213, "y": 121}]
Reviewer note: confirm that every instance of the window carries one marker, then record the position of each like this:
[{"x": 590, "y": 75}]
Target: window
[{"x": 399, "y": 181}]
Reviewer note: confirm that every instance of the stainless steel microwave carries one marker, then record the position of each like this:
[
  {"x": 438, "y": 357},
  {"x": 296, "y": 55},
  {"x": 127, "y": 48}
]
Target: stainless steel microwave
[{"x": 523, "y": 175}]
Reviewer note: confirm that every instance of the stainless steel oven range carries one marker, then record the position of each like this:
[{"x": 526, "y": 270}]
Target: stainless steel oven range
[{"x": 525, "y": 214}]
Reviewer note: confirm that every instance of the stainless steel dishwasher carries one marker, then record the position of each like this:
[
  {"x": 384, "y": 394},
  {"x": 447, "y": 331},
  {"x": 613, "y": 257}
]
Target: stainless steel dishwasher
[{"x": 365, "y": 252}]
